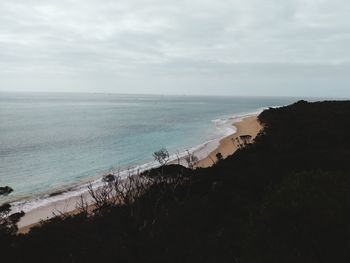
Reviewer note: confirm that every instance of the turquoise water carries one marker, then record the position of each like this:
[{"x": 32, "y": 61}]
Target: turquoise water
[{"x": 49, "y": 141}]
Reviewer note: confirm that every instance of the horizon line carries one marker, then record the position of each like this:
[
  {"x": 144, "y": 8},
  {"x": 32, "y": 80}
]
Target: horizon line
[{"x": 174, "y": 94}]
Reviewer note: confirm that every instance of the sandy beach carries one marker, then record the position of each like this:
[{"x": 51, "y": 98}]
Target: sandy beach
[{"x": 247, "y": 126}]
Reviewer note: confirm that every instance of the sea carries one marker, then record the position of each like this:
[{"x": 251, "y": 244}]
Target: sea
[{"x": 52, "y": 143}]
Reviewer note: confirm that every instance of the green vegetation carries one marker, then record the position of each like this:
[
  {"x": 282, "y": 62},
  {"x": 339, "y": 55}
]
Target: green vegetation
[
  {"x": 284, "y": 198},
  {"x": 161, "y": 156}
]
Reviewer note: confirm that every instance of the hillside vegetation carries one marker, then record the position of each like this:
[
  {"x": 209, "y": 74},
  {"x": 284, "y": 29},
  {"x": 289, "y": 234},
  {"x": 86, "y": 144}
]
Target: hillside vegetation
[{"x": 284, "y": 198}]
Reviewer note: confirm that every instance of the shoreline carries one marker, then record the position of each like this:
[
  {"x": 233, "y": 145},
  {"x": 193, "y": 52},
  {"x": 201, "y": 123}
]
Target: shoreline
[{"x": 245, "y": 125}]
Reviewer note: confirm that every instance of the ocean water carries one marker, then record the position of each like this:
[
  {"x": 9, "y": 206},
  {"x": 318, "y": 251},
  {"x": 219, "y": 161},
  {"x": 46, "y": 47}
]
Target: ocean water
[{"x": 51, "y": 141}]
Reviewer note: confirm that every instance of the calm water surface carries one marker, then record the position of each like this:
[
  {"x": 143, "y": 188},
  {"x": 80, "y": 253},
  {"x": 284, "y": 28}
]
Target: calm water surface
[{"x": 50, "y": 141}]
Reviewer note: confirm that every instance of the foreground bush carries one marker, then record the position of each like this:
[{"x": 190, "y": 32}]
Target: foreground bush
[{"x": 285, "y": 198}]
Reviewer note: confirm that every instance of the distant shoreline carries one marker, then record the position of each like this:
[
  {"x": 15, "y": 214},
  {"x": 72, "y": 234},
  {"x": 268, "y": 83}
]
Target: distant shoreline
[
  {"x": 76, "y": 140},
  {"x": 245, "y": 126}
]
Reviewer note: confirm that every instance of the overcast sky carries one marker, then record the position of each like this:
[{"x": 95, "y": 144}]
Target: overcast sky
[{"x": 220, "y": 47}]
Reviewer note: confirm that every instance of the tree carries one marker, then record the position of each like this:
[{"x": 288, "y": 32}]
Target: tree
[
  {"x": 246, "y": 139},
  {"x": 109, "y": 178},
  {"x": 8, "y": 222},
  {"x": 161, "y": 156},
  {"x": 242, "y": 141},
  {"x": 191, "y": 160},
  {"x": 219, "y": 157}
]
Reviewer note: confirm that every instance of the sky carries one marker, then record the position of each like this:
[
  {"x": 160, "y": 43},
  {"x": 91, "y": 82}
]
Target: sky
[{"x": 210, "y": 47}]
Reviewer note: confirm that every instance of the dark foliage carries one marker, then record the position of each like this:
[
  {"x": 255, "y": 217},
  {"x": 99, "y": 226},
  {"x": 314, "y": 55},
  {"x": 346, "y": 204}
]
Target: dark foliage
[
  {"x": 8, "y": 228},
  {"x": 285, "y": 198},
  {"x": 219, "y": 157}
]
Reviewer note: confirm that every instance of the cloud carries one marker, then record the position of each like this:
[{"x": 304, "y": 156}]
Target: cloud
[{"x": 147, "y": 38}]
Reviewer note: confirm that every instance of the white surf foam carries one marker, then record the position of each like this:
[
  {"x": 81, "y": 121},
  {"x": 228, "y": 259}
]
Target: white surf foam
[{"x": 223, "y": 128}]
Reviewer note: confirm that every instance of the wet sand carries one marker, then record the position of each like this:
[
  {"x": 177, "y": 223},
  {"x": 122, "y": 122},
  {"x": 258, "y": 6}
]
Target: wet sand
[{"x": 248, "y": 126}]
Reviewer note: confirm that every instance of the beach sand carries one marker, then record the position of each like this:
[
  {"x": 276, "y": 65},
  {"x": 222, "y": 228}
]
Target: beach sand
[
  {"x": 39, "y": 214},
  {"x": 247, "y": 126}
]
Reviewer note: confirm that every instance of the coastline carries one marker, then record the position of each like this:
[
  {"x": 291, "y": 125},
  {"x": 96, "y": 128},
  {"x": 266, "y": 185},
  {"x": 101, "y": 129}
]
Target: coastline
[{"x": 246, "y": 125}]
